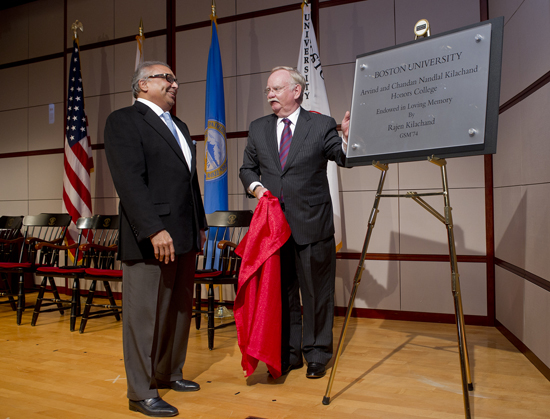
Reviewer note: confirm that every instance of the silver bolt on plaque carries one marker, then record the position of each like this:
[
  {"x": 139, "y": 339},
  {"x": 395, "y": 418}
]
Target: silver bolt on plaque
[
  {"x": 472, "y": 132},
  {"x": 354, "y": 146},
  {"x": 478, "y": 38}
]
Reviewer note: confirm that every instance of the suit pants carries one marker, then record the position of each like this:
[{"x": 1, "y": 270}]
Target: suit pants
[
  {"x": 308, "y": 270},
  {"x": 157, "y": 301}
]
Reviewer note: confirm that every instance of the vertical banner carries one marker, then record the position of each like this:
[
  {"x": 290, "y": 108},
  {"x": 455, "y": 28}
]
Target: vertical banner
[
  {"x": 139, "y": 51},
  {"x": 316, "y": 100},
  {"x": 215, "y": 160},
  {"x": 78, "y": 162}
]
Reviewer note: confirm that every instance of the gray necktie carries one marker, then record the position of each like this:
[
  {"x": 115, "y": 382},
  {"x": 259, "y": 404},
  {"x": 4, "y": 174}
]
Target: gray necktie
[{"x": 170, "y": 123}]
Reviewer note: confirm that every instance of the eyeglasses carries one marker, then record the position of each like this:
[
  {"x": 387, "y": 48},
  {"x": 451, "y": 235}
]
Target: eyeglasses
[
  {"x": 169, "y": 78},
  {"x": 276, "y": 90}
]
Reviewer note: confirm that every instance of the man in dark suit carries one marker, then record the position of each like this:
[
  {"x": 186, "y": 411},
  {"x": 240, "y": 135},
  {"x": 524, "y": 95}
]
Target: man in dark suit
[
  {"x": 153, "y": 164},
  {"x": 287, "y": 153}
]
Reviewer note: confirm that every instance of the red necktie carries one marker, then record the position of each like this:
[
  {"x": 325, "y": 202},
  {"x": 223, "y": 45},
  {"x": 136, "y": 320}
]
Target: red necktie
[{"x": 286, "y": 139}]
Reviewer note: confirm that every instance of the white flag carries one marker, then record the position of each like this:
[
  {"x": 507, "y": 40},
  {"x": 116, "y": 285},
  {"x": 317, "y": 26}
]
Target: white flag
[
  {"x": 139, "y": 50},
  {"x": 316, "y": 100}
]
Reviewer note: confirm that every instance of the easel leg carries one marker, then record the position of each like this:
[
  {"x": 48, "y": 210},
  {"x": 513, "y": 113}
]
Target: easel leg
[
  {"x": 455, "y": 282},
  {"x": 357, "y": 279}
]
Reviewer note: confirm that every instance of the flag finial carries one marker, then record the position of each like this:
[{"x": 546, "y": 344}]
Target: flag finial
[
  {"x": 213, "y": 8},
  {"x": 75, "y": 27},
  {"x": 140, "y": 27}
]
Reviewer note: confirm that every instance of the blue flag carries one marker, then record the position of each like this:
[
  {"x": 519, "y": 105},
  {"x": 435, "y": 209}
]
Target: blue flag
[
  {"x": 215, "y": 165},
  {"x": 215, "y": 170}
]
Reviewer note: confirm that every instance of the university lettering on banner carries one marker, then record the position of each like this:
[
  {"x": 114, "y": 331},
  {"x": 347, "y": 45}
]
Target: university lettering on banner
[{"x": 316, "y": 100}]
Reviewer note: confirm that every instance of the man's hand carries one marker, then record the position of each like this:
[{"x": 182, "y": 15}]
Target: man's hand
[
  {"x": 345, "y": 126},
  {"x": 164, "y": 246},
  {"x": 259, "y": 191}
]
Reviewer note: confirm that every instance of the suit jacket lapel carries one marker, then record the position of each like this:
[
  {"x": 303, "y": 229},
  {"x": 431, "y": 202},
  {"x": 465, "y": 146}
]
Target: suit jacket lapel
[
  {"x": 271, "y": 136},
  {"x": 158, "y": 125},
  {"x": 301, "y": 130}
]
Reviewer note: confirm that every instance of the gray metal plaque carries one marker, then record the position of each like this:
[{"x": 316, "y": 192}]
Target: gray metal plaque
[{"x": 426, "y": 95}]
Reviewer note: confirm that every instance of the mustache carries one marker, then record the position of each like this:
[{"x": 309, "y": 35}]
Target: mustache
[{"x": 273, "y": 100}]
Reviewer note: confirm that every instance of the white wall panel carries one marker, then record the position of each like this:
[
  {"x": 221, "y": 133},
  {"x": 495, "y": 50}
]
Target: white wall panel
[
  {"x": 97, "y": 67},
  {"x": 339, "y": 85},
  {"x": 252, "y": 103},
  {"x": 537, "y": 327},
  {"x": 356, "y": 210},
  {"x": 353, "y": 29},
  {"x": 14, "y": 169},
  {"x": 101, "y": 182},
  {"x": 535, "y": 129},
  {"x": 15, "y": 126},
  {"x": 379, "y": 287},
  {"x": 508, "y": 161},
  {"x": 191, "y": 11},
  {"x": 421, "y": 232},
  {"x": 510, "y": 206},
  {"x": 46, "y": 27},
  {"x": 14, "y": 207},
  {"x": 443, "y": 15},
  {"x": 98, "y": 108},
  {"x": 246, "y": 6},
  {"x": 97, "y": 17},
  {"x": 537, "y": 229},
  {"x": 510, "y": 301},
  {"x": 52, "y": 206},
  {"x": 42, "y": 134},
  {"x": 15, "y": 94},
  {"x": 46, "y": 177},
  {"x": 256, "y": 52},
  {"x": 426, "y": 287},
  {"x": 14, "y": 34},
  {"x": 128, "y": 13}
]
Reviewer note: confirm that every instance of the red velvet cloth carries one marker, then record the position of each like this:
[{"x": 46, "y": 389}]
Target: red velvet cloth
[{"x": 258, "y": 302}]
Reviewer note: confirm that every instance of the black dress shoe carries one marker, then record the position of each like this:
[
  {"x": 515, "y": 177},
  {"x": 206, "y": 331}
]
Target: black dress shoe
[
  {"x": 180, "y": 385},
  {"x": 316, "y": 370},
  {"x": 155, "y": 407},
  {"x": 285, "y": 369}
]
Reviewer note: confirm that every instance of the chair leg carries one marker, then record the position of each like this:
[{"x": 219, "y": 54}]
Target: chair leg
[
  {"x": 39, "y": 299},
  {"x": 111, "y": 299},
  {"x": 9, "y": 291},
  {"x": 21, "y": 298},
  {"x": 87, "y": 307},
  {"x": 210, "y": 317},
  {"x": 198, "y": 303},
  {"x": 56, "y": 296},
  {"x": 75, "y": 303}
]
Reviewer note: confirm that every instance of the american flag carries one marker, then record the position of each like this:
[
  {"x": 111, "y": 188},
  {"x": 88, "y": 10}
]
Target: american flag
[{"x": 78, "y": 161}]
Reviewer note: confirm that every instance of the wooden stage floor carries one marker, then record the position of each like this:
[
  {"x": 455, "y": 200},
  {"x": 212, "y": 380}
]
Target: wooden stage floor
[{"x": 389, "y": 369}]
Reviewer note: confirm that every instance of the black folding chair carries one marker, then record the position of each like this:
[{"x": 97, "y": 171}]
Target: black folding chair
[
  {"x": 220, "y": 264},
  {"x": 102, "y": 265},
  {"x": 10, "y": 246},
  {"x": 36, "y": 229}
]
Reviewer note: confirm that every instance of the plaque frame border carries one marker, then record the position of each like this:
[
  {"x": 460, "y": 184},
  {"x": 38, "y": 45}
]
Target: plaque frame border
[{"x": 489, "y": 145}]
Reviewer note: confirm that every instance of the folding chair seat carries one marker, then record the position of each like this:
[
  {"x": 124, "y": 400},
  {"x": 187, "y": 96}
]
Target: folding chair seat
[
  {"x": 10, "y": 246},
  {"x": 102, "y": 265},
  {"x": 220, "y": 264},
  {"x": 37, "y": 228},
  {"x": 74, "y": 270}
]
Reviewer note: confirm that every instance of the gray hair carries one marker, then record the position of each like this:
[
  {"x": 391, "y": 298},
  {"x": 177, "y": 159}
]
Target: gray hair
[
  {"x": 141, "y": 73},
  {"x": 296, "y": 77}
]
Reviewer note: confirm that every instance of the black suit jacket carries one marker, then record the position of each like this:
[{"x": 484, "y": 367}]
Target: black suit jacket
[
  {"x": 157, "y": 190},
  {"x": 308, "y": 207}
]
